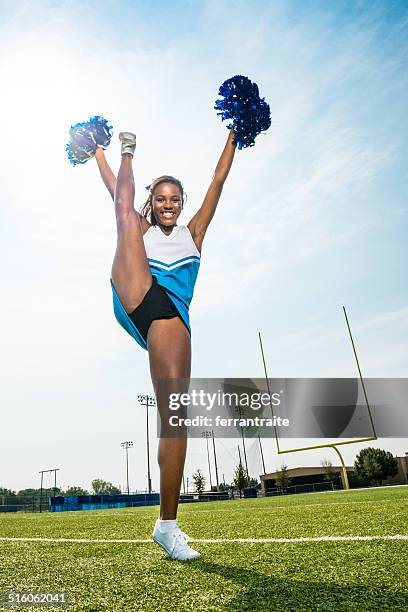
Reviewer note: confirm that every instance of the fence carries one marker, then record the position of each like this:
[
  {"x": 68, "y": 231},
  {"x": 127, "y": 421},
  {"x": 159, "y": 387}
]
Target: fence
[
  {"x": 312, "y": 487},
  {"x": 24, "y": 503},
  {"x": 31, "y": 503},
  {"x": 104, "y": 502}
]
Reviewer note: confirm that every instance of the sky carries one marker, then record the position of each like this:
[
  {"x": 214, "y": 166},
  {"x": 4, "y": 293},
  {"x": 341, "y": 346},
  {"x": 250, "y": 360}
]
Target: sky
[{"x": 312, "y": 218}]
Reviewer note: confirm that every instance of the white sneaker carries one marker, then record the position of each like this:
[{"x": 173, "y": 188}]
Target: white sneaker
[
  {"x": 128, "y": 142},
  {"x": 175, "y": 544}
]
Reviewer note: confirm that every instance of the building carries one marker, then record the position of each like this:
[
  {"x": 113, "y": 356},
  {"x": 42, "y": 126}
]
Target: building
[
  {"x": 304, "y": 476},
  {"x": 317, "y": 474},
  {"x": 402, "y": 476}
]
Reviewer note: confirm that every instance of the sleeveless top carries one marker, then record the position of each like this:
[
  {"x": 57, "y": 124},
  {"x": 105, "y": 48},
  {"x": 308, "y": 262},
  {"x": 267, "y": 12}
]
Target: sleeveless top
[{"x": 174, "y": 260}]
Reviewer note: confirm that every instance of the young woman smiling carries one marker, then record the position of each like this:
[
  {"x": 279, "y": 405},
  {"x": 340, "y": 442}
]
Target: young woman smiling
[{"x": 153, "y": 276}]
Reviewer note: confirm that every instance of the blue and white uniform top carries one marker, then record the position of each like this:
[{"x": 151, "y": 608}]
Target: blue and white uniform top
[{"x": 174, "y": 260}]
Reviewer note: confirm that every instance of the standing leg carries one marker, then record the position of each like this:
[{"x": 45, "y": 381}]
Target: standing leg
[
  {"x": 130, "y": 270},
  {"x": 170, "y": 357},
  {"x": 169, "y": 348}
]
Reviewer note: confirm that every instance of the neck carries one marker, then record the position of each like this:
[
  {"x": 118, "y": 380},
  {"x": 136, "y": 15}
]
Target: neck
[{"x": 166, "y": 229}]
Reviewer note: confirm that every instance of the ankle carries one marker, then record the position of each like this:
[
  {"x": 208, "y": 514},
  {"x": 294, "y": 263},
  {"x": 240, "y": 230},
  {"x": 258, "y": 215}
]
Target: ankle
[{"x": 166, "y": 525}]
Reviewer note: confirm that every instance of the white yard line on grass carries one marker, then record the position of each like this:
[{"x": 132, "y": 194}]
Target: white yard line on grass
[{"x": 219, "y": 540}]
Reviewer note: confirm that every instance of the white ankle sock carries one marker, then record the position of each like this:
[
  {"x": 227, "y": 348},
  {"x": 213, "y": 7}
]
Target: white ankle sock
[{"x": 166, "y": 526}]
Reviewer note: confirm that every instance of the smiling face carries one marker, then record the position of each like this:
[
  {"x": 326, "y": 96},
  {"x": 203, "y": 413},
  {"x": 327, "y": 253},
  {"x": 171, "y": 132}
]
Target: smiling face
[{"x": 167, "y": 204}]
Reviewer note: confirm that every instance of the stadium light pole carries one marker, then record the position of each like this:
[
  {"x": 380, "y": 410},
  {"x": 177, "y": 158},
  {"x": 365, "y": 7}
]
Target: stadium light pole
[
  {"x": 55, "y": 482},
  {"x": 239, "y": 455},
  {"x": 215, "y": 461},
  {"x": 239, "y": 409},
  {"x": 240, "y": 465},
  {"x": 206, "y": 435},
  {"x": 126, "y": 445},
  {"x": 147, "y": 400},
  {"x": 262, "y": 456},
  {"x": 41, "y": 489}
]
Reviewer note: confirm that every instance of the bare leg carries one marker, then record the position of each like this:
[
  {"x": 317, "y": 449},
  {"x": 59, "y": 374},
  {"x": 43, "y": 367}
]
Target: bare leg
[
  {"x": 130, "y": 270},
  {"x": 169, "y": 348}
]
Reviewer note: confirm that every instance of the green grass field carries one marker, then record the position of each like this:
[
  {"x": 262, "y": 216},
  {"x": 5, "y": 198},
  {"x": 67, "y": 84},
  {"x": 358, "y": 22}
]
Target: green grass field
[{"x": 230, "y": 576}]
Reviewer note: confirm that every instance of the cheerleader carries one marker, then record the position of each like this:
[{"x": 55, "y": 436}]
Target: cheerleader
[
  {"x": 155, "y": 268},
  {"x": 153, "y": 276}
]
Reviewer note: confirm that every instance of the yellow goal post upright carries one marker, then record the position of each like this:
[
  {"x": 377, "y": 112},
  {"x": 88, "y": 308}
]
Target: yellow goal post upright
[{"x": 333, "y": 446}]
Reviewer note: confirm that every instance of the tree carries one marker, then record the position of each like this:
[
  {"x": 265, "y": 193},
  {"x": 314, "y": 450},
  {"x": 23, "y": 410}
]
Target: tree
[
  {"x": 375, "y": 464},
  {"x": 75, "y": 490},
  {"x": 283, "y": 479},
  {"x": 37, "y": 492},
  {"x": 224, "y": 487},
  {"x": 330, "y": 474},
  {"x": 7, "y": 492},
  {"x": 253, "y": 482},
  {"x": 240, "y": 478},
  {"x": 29, "y": 492},
  {"x": 103, "y": 487},
  {"x": 199, "y": 481},
  {"x": 4, "y": 493}
]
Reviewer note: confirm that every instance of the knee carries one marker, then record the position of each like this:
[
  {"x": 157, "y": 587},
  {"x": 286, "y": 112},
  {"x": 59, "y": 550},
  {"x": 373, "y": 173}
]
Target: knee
[
  {"x": 125, "y": 184},
  {"x": 126, "y": 217}
]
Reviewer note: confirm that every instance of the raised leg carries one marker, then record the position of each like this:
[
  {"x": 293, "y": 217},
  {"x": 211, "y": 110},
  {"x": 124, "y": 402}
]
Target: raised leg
[
  {"x": 169, "y": 348},
  {"x": 130, "y": 270}
]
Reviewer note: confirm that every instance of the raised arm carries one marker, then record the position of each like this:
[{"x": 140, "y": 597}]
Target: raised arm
[
  {"x": 110, "y": 181},
  {"x": 105, "y": 171},
  {"x": 201, "y": 220}
]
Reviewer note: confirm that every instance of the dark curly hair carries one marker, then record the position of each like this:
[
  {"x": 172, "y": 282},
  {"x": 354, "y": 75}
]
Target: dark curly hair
[{"x": 147, "y": 209}]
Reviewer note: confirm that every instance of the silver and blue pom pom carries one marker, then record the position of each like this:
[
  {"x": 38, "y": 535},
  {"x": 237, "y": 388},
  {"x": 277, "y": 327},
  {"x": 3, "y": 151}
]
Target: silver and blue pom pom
[
  {"x": 85, "y": 137},
  {"x": 241, "y": 102}
]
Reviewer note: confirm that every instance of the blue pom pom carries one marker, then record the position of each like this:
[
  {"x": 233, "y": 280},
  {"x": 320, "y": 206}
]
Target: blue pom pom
[
  {"x": 241, "y": 102},
  {"x": 85, "y": 137}
]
